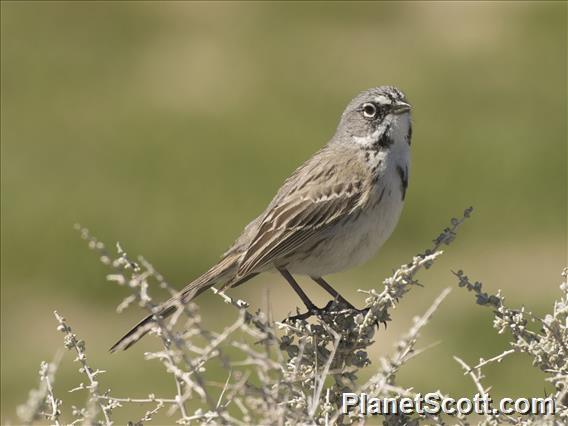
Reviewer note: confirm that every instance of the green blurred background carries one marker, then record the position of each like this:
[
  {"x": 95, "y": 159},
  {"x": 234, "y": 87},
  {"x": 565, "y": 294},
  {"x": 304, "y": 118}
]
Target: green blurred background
[{"x": 168, "y": 126}]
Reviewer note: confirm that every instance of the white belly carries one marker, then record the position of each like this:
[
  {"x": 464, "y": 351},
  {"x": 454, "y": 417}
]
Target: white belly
[{"x": 351, "y": 243}]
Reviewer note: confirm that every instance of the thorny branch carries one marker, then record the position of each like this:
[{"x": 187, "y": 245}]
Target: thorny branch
[
  {"x": 546, "y": 343},
  {"x": 297, "y": 373}
]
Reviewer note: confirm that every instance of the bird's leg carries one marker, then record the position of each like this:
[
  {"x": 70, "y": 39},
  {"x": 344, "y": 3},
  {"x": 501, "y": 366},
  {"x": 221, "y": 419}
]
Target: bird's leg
[
  {"x": 338, "y": 296},
  {"x": 327, "y": 287},
  {"x": 312, "y": 309},
  {"x": 323, "y": 284},
  {"x": 309, "y": 304}
]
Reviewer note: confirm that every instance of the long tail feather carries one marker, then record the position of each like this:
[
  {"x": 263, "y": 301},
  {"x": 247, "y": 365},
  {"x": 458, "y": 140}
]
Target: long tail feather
[{"x": 223, "y": 272}]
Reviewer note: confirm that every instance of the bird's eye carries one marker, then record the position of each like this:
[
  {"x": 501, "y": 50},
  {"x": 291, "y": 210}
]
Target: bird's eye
[{"x": 369, "y": 110}]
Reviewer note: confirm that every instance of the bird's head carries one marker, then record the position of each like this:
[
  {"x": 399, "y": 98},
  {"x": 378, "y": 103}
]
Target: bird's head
[{"x": 376, "y": 119}]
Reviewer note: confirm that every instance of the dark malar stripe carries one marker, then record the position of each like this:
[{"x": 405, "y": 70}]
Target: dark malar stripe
[
  {"x": 403, "y": 180},
  {"x": 385, "y": 141}
]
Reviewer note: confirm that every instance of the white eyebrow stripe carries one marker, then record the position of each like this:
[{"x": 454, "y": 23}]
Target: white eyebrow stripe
[{"x": 382, "y": 100}]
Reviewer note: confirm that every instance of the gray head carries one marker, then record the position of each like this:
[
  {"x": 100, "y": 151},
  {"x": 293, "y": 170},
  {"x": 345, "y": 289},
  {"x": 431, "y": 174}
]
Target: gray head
[{"x": 375, "y": 119}]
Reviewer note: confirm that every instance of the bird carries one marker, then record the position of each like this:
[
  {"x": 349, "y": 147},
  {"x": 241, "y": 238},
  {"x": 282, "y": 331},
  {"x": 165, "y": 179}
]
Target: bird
[{"x": 332, "y": 213}]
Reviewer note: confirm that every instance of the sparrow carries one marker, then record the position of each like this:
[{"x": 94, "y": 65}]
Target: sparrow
[{"x": 333, "y": 213}]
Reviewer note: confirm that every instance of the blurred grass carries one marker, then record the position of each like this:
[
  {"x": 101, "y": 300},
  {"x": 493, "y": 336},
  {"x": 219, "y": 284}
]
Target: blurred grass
[{"x": 168, "y": 126}]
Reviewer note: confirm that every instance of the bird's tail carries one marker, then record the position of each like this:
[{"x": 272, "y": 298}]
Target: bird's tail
[{"x": 222, "y": 272}]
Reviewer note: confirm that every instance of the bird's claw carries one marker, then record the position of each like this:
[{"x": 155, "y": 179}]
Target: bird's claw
[
  {"x": 312, "y": 311},
  {"x": 327, "y": 309}
]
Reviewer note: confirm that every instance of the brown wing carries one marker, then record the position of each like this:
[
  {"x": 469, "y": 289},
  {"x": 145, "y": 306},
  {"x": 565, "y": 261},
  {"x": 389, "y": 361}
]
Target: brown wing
[{"x": 298, "y": 217}]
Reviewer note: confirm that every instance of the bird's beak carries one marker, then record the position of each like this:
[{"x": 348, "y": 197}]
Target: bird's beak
[{"x": 401, "y": 107}]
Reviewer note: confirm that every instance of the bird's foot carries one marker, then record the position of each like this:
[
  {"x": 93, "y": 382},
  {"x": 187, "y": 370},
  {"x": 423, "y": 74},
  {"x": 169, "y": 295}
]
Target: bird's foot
[
  {"x": 312, "y": 311},
  {"x": 332, "y": 307}
]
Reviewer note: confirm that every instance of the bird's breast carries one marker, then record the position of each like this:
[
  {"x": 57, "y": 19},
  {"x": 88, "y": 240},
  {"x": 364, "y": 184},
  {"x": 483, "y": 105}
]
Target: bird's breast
[
  {"x": 359, "y": 235},
  {"x": 355, "y": 238}
]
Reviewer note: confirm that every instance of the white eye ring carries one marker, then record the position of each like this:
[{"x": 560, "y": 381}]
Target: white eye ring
[{"x": 369, "y": 110}]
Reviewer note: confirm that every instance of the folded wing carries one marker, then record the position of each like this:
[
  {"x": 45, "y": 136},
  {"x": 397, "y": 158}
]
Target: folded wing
[{"x": 296, "y": 219}]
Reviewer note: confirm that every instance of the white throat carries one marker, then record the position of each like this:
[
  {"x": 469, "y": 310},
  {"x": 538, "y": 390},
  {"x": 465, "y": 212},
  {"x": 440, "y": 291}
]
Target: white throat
[{"x": 397, "y": 126}]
